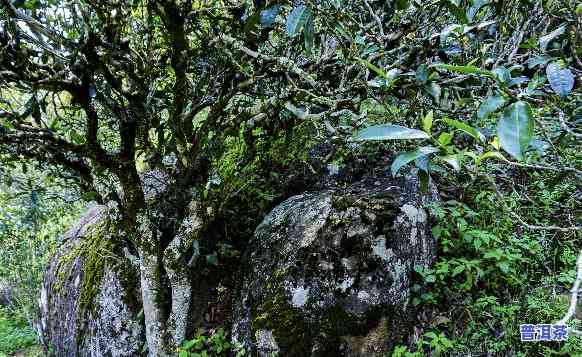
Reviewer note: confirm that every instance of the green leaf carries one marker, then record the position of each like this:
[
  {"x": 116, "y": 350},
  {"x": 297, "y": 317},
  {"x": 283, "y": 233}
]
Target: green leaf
[
  {"x": 503, "y": 74},
  {"x": 532, "y": 62},
  {"x": 488, "y": 155},
  {"x": 297, "y": 19},
  {"x": 32, "y": 4},
  {"x": 445, "y": 139},
  {"x": 5, "y": 123},
  {"x": 476, "y": 134},
  {"x": 269, "y": 15},
  {"x": 309, "y": 34},
  {"x": 189, "y": 344},
  {"x": 490, "y": 105},
  {"x": 454, "y": 160},
  {"x": 407, "y": 157},
  {"x": 427, "y": 122},
  {"x": 458, "y": 270},
  {"x": 504, "y": 266},
  {"x": 212, "y": 259},
  {"x": 77, "y": 138},
  {"x": 183, "y": 354},
  {"x": 457, "y": 10},
  {"x": 422, "y": 73},
  {"x": 434, "y": 90},
  {"x": 402, "y": 4},
  {"x": 545, "y": 40},
  {"x": 561, "y": 80},
  {"x": 389, "y": 132},
  {"x": 465, "y": 69},
  {"x": 515, "y": 129},
  {"x": 379, "y": 71}
]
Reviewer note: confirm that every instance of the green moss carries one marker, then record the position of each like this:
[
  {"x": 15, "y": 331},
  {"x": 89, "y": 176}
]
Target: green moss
[
  {"x": 286, "y": 322},
  {"x": 95, "y": 250},
  {"x": 295, "y": 335}
]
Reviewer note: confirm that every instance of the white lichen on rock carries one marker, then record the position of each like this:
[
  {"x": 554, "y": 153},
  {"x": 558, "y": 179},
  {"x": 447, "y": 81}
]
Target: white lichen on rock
[{"x": 300, "y": 296}]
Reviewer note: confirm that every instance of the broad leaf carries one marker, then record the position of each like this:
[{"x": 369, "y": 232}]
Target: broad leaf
[
  {"x": 407, "y": 157},
  {"x": 490, "y": 105},
  {"x": 454, "y": 160},
  {"x": 465, "y": 128},
  {"x": 269, "y": 15},
  {"x": 445, "y": 139},
  {"x": 532, "y": 62},
  {"x": 561, "y": 80},
  {"x": 515, "y": 129},
  {"x": 297, "y": 19},
  {"x": 390, "y": 132},
  {"x": 422, "y": 73},
  {"x": 503, "y": 74},
  {"x": 545, "y": 40}
]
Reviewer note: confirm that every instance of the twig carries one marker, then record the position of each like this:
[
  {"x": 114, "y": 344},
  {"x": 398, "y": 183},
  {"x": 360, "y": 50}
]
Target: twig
[
  {"x": 566, "y": 127},
  {"x": 520, "y": 220},
  {"x": 376, "y": 18},
  {"x": 284, "y": 62}
]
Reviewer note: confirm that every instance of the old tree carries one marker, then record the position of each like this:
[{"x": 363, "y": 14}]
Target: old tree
[{"x": 103, "y": 92}]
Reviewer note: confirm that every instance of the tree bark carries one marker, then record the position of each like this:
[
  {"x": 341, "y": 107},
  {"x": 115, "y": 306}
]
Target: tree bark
[
  {"x": 150, "y": 265},
  {"x": 179, "y": 271},
  {"x": 153, "y": 313}
]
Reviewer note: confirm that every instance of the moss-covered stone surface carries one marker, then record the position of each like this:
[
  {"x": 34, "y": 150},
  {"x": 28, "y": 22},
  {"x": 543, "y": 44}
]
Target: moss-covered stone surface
[
  {"x": 89, "y": 298},
  {"x": 328, "y": 273}
]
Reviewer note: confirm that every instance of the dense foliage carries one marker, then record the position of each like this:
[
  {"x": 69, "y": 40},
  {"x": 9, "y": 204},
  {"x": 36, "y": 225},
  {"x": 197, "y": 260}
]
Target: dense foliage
[{"x": 237, "y": 104}]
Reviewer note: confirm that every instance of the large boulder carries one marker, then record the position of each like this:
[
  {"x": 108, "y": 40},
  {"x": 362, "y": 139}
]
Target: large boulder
[
  {"x": 329, "y": 273},
  {"x": 89, "y": 304}
]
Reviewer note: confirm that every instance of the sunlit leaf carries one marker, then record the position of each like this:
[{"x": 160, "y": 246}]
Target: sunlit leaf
[
  {"x": 389, "y": 132},
  {"x": 476, "y": 134},
  {"x": 503, "y": 74},
  {"x": 407, "y": 157},
  {"x": 427, "y": 122},
  {"x": 445, "y": 139},
  {"x": 489, "y": 155},
  {"x": 454, "y": 160}
]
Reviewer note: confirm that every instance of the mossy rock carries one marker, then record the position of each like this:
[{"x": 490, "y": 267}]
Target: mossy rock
[
  {"x": 329, "y": 273},
  {"x": 89, "y": 299}
]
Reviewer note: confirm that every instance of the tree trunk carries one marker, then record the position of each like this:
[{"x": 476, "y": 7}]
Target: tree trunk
[
  {"x": 150, "y": 264},
  {"x": 179, "y": 270},
  {"x": 151, "y": 295},
  {"x": 165, "y": 333}
]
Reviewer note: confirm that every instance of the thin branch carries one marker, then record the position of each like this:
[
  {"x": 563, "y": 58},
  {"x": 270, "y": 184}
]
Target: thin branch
[
  {"x": 376, "y": 18},
  {"x": 284, "y": 62},
  {"x": 520, "y": 220}
]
